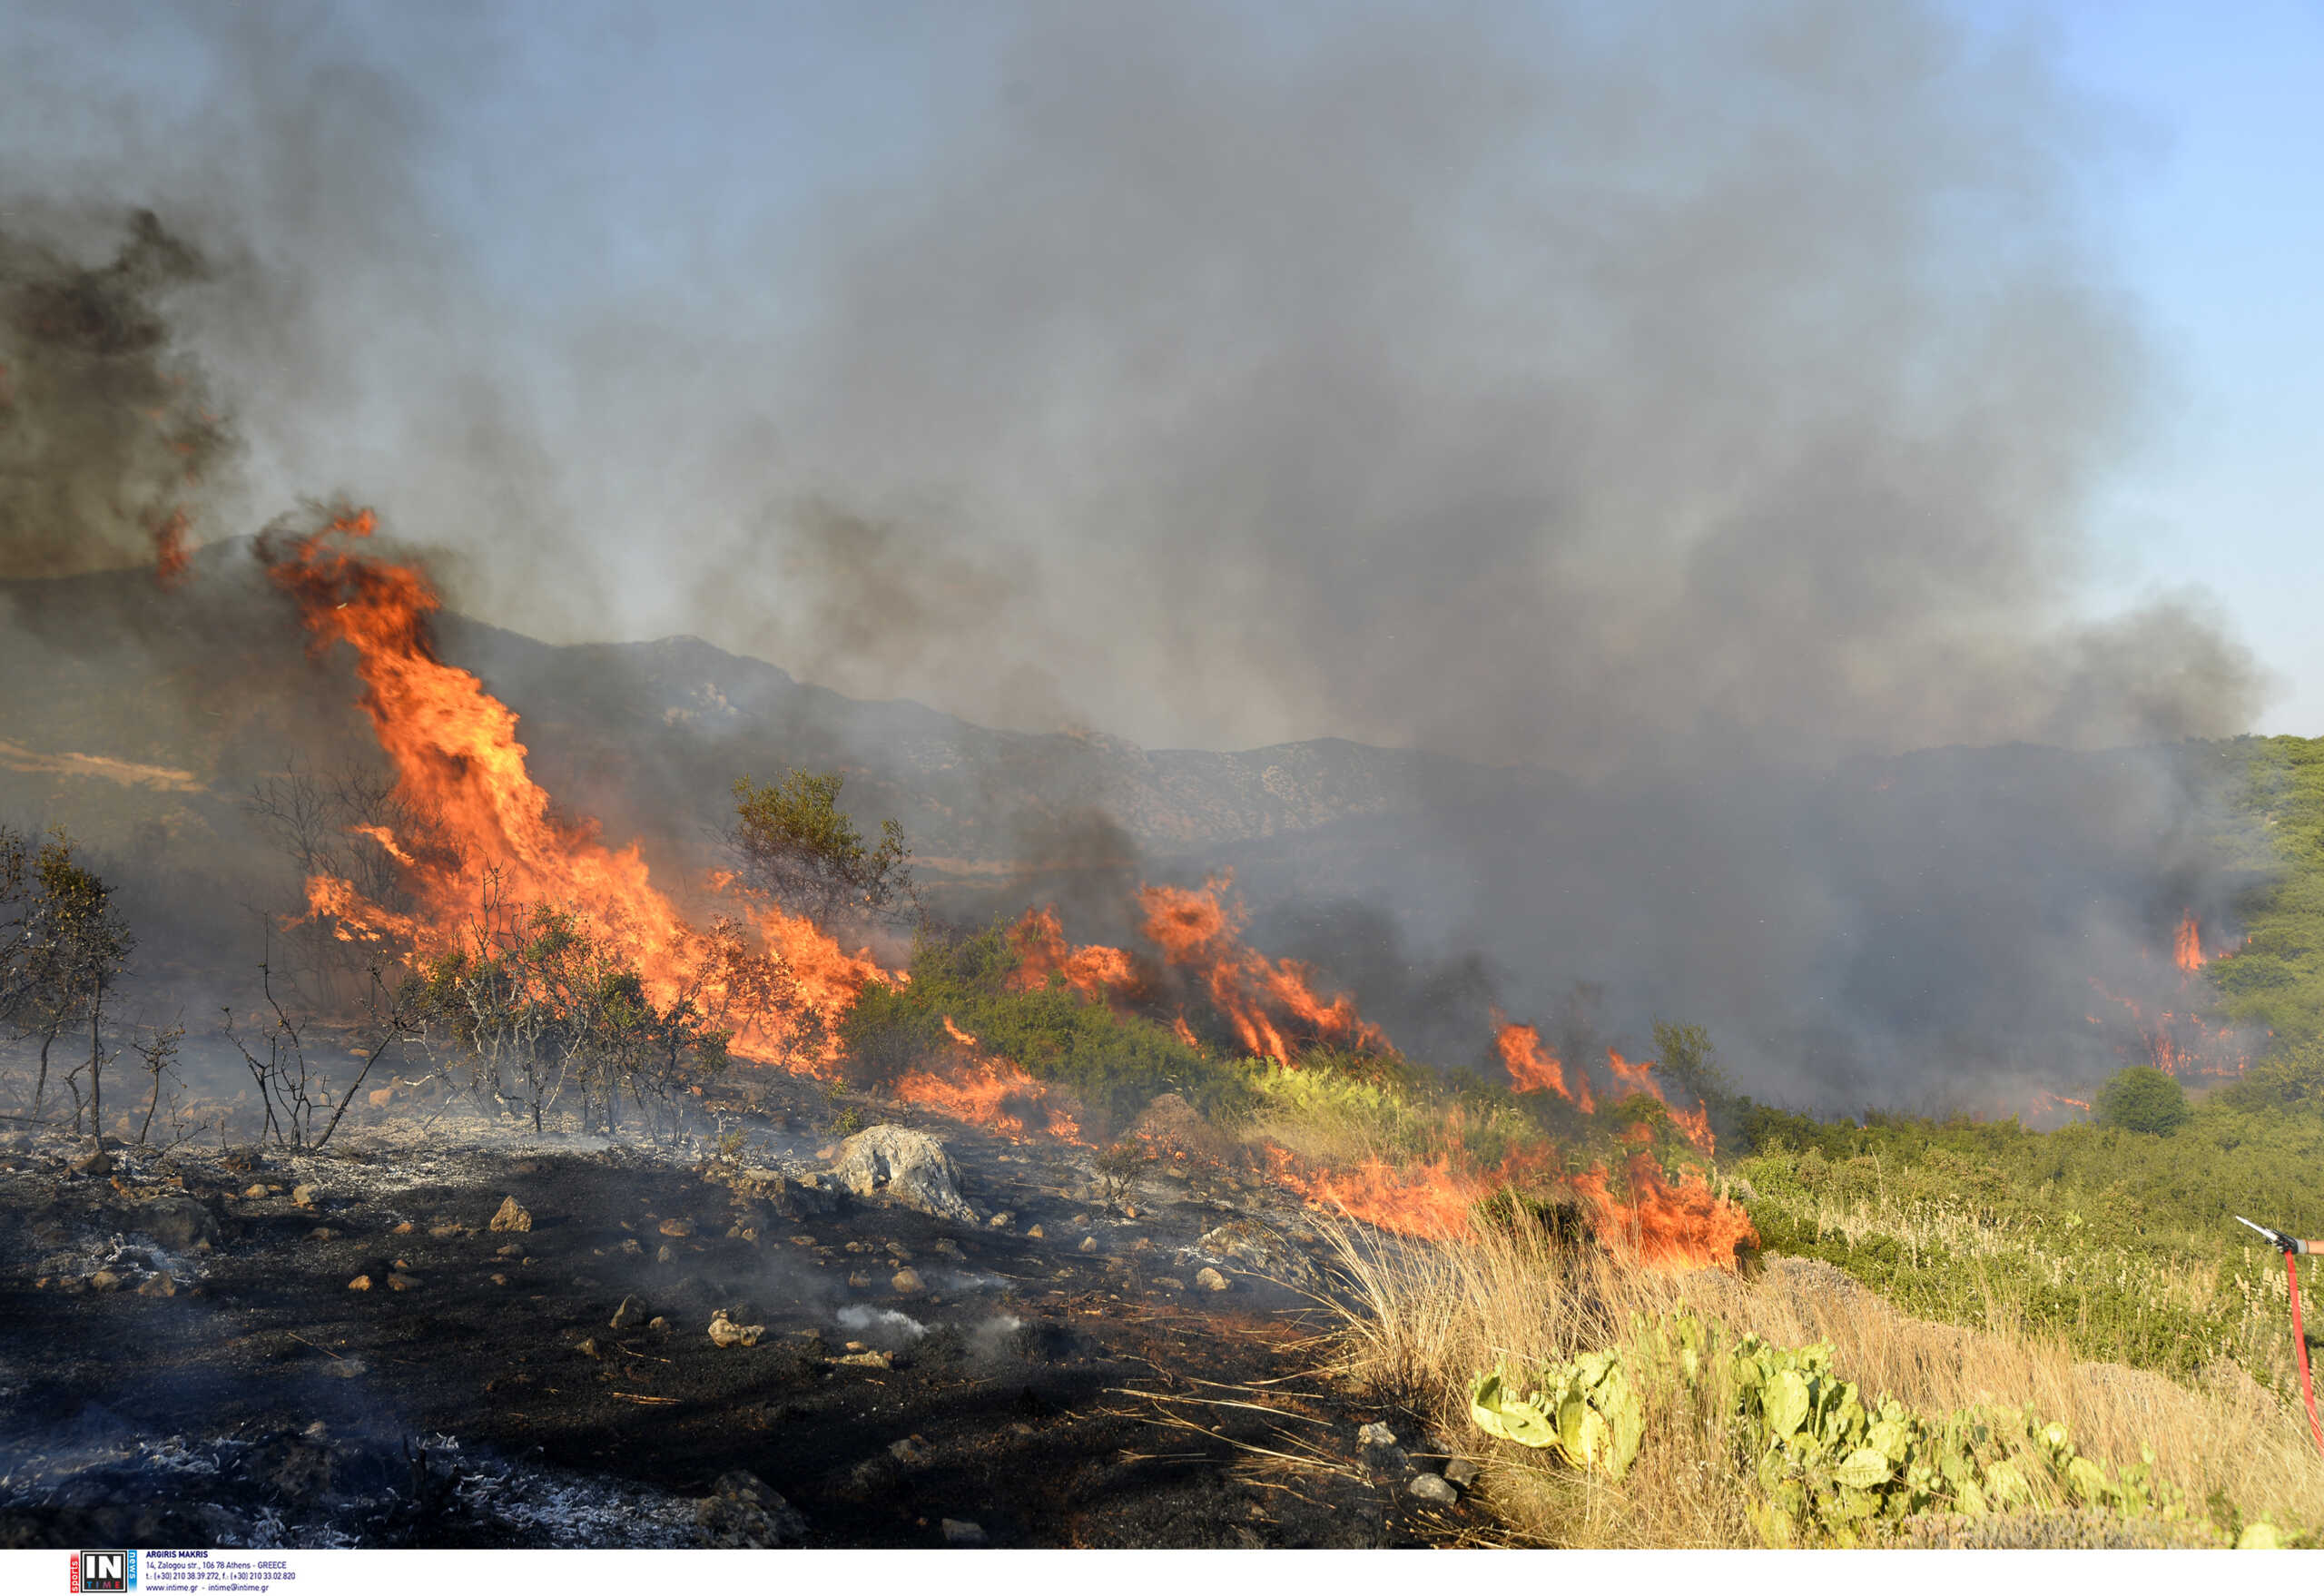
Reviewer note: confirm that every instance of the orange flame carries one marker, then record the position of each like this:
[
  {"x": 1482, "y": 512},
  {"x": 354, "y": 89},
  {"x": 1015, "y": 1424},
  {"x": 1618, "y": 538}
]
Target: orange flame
[
  {"x": 1262, "y": 998},
  {"x": 1535, "y": 1066},
  {"x": 171, "y": 558},
  {"x": 1685, "y": 1225},
  {"x": 455, "y": 749},
  {"x": 1042, "y": 951},
  {"x": 2187, "y": 950}
]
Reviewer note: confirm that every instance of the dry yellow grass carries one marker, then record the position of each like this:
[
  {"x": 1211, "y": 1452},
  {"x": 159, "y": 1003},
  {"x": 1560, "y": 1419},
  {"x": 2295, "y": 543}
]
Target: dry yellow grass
[{"x": 1419, "y": 1322}]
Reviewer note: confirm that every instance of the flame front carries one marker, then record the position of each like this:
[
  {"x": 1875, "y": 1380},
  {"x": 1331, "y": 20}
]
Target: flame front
[
  {"x": 1039, "y": 940},
  {"x": 1269, "y": 1002}
]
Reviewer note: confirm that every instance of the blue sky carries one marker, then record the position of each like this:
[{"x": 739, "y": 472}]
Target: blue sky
[{"x": 2220, "y": 223}]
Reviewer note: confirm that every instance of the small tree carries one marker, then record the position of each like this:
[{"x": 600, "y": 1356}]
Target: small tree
[
  {"x": 793, "y": 842},
  {"x": 2144, "y": 1100},
  {"x": 62, "y": 947}
]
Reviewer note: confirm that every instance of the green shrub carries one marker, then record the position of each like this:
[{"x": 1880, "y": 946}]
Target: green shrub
[{"x": 2144, "y": 1100}]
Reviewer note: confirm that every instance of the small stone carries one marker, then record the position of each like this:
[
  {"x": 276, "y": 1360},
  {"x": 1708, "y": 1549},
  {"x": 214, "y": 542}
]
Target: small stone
[
  {"x": 678, "y": 1228},
  {"x": 907, "y": 1283},
  {"x": 1210, "y": 1279},
  {"x": 400, "y": 1281},
  {"x": 446, "y": 1232},
  {"x": 1376, "y": 1435},
  {"x": 514, "y": 1249},
  {"x": 860, "y": 1281},
  {"x": 744, "y": 1512},
  {"x": 657, "y": 1323},
  {"x": 913, "y": 1451},
  {"x": 360, "y": 1283},
  {"x": 252, "y": 1193},
  {"x": 303, "y": 1196},
  {"x": 1434, "y": 1489},
  {"x": 632, "y": 1312},
  {"x": 665, "y": 1254},
  {"x": 724, "y": 1331},
  {"x": 322, "y": 1233},
  {"x": 963, "y": 1533},
  {"x": 1036, "y": 1233},
  {"x": 97, "y": 1163},
  {"x": 104, "y": 1280},
  {"x": 869, "y": 1360},
  {"x": 587, "y": 1347},
  {"x": 631, "y": 1247},
  {"x": 158, "y": 1285},
  {"x": 1462, "y": 1472},
  {"x": 406, "y": 1228},
  {"x": 510, "y": 1216},
  {"x": 501, "y": 1279},
  {"x": 802, "y": 1241},
  {"x": 1089, "y": 1244},
  {"x": 1000, "y": 1219}
]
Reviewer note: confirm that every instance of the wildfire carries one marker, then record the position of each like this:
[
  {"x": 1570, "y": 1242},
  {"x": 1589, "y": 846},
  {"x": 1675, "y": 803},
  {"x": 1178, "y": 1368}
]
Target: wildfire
[
  {"x": 457, "y": 757},
  {"x": 171, "y": 558},
  {"x": 2187, "y": 949},
  {"x": 1685, "y": 1225},
  {"x": 1262, "y": 998},
  {"x": 1042, "y": 951},
  {"x": 1535, "y": 1066}
]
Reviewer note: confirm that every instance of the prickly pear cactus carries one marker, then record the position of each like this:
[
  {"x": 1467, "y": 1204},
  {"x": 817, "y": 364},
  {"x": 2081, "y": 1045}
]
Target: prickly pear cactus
[{"x": 1587, "y": 1412}]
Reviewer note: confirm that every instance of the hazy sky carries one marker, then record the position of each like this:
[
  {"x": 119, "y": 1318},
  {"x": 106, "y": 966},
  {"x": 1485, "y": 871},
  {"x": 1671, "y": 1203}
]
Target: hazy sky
[{"x": 1938, "y": 374}]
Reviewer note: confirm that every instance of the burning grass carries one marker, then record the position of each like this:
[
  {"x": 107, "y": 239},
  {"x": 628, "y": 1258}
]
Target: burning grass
[{"x": 1420, "y": 1321}]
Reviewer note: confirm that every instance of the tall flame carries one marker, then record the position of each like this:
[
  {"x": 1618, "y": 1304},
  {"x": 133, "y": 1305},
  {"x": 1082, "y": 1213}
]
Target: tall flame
[
  {"x": 1269, "y": 1002},
  {"x": 457, "y": 757},
  {"x": 1038, "y": 939},
  {"x": 2187, "y": 949}
]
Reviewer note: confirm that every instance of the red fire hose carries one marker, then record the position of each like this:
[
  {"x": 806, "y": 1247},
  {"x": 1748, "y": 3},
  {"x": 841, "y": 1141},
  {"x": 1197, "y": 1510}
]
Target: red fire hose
[{"x": 2292, "y": 1247}]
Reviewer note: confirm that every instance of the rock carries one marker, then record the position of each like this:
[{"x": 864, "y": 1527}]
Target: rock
[
  {"x": 1035, "y": 1233},
  {"x": 665, "y": 1254},
  {"x": 657, "y": 1323},
  {"x": 677, "y": 1228},
  {"x": 903, "y": 1165},
  {"x": 323, "y": 1233},
  {"x": 1089, "y": 1244},
  {"x": 360, "y": 1283},
  {"x": 963, "y": 1533},
  {"x": 1434, "y": 1489},
  {"x": 174, "y": 1220},
  {"x": 303, "y": 1196},
  {"x": 1210, "y": 1279},
  {"x": 399, "y": 1281},
  {"x": 446, "y": 1232},
  {"x": 1257, "y": 1250},
  {"x": 913, "y": 1451},
  {"x": 406, "y": 1228},
  {"x": 743, "y": 1512},
  {"x": 1462, "y": 1472},
  {"x": 97, "y": 1163},
  {"x": 632, "y": 1313},
  {"x": 499, "y": 1279},
  {"x": 724, "y": 1331},
  {"x": 869, "y": 1360},
  {"x": 1000, "y": 1219},
  {"x": 510, "y": 1216},
  {"x": 587, "y": 1347},
  {"x": 907, "y": 1283},
  {"x": 253, "y": 1192},
  {"x": 104, "y": 1280},
  {"x": 1376, "y": 1435},
  {"x": 157, "y": 1286},
  {"x": 514, "y": 1249},
  {"x": 1171, "y": 1281}
]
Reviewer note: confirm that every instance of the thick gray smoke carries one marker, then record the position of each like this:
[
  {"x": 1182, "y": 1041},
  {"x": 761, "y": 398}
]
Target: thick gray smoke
[{"x": 1642, "y": 393}]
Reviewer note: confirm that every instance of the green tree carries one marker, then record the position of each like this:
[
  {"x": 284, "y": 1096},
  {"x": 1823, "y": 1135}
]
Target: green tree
[
  {"x": 793, "y": 842},
  {"x": 2144, "y": 1100}
]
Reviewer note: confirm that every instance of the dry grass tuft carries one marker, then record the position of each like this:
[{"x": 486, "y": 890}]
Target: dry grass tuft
[{"x": 1420, "y": 1321}]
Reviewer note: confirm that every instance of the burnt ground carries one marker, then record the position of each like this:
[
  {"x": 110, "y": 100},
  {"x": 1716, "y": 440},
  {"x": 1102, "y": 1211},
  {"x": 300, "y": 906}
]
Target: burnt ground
[{"x": 183, "y": 1359}]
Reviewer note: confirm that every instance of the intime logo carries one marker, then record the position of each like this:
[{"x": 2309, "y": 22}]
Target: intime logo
[{"x": 105, "y": 1571}]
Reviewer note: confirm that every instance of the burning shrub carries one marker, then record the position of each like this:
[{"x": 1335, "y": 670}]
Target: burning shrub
[
  {"x": 540, "y": 1009},
  {"x": 961, "y": 986}
]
